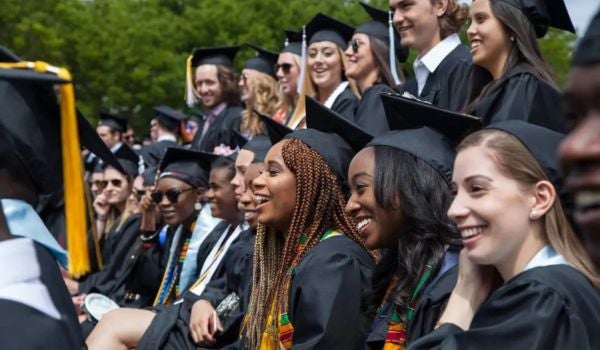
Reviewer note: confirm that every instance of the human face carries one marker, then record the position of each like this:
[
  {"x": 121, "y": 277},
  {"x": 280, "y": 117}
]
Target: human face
[
  {"x": 98, "y": 183},
  {"x": 221, "y": 196},
  {"x": 361, "y": 64},
  {"x": 275, "y": 191},
  {"x": 490, "y": 210},
  {"x": 244, "y": 84},
  {"x": 138, "y": 190},
  {"x": 378, "y": 227},
  {"x": 176, "y": 213},
  {"x": 580, "y": 152},
  {"x": 287, "y": 74},
  {"x": 490, "y": 44},
  {"x": 325, "y": 65},
  {"x": 208, "y": 86},
  {"x": 244, "y": 158},
  {"x": 117, "y": 187},
  {"x": 129, "y": 137},
  {"x": 417, "y": 22},
  {"x": 246, "y": 202},
  {"x": 110, "y": 137},
  {"x": 154, "y": 129}
]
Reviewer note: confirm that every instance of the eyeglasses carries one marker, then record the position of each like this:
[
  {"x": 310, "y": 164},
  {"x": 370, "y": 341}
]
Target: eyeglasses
[
  {"x": 101, "y": 184},
  {"x": 139, "y": 194},
  {"x": 355, "y": 44},
  {"x": 285, "y": 67},
  {"x": 244, "y": 78},
  {"x": 172, "y": 195}
]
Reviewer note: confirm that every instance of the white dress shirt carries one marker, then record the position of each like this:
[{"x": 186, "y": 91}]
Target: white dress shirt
[{"x": 423, "y": 66}]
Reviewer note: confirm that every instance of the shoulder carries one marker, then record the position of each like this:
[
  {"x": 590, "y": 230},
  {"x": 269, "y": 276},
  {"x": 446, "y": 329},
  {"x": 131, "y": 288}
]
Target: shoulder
[
  {"x": 233, "y": 111},
  {"x": 347, "y": 94},
  {"x": 338, "y": 249},
  {"x": 375, "y": 90},
  {"x": 459, "y": 57}
]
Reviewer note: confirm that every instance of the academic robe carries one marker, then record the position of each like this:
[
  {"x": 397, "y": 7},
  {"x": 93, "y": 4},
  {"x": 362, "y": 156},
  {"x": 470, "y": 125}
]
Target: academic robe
[
  {"x": 326, "y": 296},
  {"x": 220, "y": 131},
  {"x": 370, "y": 115},
  {"x": 524, "y": 97},
  {"x": 447, "y": 86},
  {"x": 170, "y": 327},
  {"x": 345, "y": 104},
  {"x": 551, "y": 307},
  {"x": 152, "y": 154}
]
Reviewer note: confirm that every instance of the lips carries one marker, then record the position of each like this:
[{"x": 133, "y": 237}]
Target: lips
[
  {"x": 249, "y": 214},
  {"x": 363, "y": 223},
  {"x": 469, "y": 232}
]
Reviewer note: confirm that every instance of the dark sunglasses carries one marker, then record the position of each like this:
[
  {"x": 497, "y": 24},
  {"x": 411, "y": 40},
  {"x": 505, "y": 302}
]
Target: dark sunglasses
[
  {"x": 101, "y": 184},
  {"x": 139, "y": 194},
  {"x": 172, "y": 195},
  {"x": 355, "y": 44},
  {"x": 285, "y": 67}
]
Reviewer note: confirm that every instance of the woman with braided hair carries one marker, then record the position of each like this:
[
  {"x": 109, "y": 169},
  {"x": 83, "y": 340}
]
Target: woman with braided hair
[{"x": 310, "y": 265}]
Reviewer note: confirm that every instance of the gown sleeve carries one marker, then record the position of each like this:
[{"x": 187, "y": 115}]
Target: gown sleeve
[
  {"x": 325, "y": 304},
  {"x": 346, "y": 104},
  {"x": 523, "y": 316}
]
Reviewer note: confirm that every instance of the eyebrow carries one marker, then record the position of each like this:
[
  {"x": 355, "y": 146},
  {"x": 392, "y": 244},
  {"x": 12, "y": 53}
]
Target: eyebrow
[
  {"x": 475, "y": 177},
  {"x": 362, "y": 173}
]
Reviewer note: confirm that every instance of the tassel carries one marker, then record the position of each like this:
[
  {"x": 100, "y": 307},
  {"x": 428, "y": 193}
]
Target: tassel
[
  {"x": 393, "y": 67},
  {"x": 302, "y": 61},
  {"x": 191, "y": 97}
]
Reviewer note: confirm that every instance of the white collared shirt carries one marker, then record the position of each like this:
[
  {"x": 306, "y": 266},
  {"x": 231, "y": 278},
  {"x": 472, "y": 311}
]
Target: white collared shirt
[
  {"x": 423, "y": 66},
  {"x": 547, "y": 256},
  {"x": 116, "y": 147},
  {"x": 166, "y": 137}
]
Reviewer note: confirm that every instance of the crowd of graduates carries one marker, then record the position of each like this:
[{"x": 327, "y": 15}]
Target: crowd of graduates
[{"x": 322, "y": 200}]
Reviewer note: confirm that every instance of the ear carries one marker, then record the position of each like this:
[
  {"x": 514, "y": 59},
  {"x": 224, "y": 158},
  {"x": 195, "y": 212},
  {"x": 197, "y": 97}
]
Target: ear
[
  {"x": 544, "y": 196},
  {"x": 440, "y": 7},
  {"x": 200, "y": 194}
]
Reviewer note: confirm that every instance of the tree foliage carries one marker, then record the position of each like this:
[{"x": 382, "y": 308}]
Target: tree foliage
[{"x": 129, "y": 55}]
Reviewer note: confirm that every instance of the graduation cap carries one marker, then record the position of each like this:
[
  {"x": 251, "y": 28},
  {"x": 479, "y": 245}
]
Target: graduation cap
[
  {"x": 128, "y": 159},
  {"x": 259, "y": 145},
  {"x": 336, "y": 151},
  {"x": 264, "y": 61},
  {"x": 406, "y": 113},
  {"x": 380, "y": 27},
  {"x": 186, "y": 165},
  {"x": 168, "y": 117},
  {"x": 46, "y": 138},
  {"x": 544, "y": 13},
  {"x": 325, "y": 28},
  {"x": 588, "y": 49},
  {"x": 293, "y": 42},
  {"x": 219, "y": 55},
  {"x": 112, "y": 121}
]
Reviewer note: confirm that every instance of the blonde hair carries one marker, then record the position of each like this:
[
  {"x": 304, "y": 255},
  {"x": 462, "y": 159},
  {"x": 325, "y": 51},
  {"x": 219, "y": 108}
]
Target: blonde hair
[
  {"x": 514, "y": 160},
  {"x": 267, "y": 99},
  {"x": 452, "y": 20},
  {"x": 288, "y": 101}
]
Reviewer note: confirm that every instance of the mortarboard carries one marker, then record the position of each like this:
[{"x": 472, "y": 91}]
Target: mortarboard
[
  {"x": 186, "y": 165},
  {"x": 543, "y": 14},
  {"x": 259, "y": 145},
  {"x": 168, "y": 117},
  {"x": 588, "y": 49},
  {"x": 264, "y": 61},
  {"x": 220, "y": 55},
  {"x": 112, "y": 121},
  {"x": 293, "y": 42},
  {"x": 325, "y": 28},
  {"x": 128, "y": 159},
  {"x": 379, "y": 27},
  {"x": 406, "y": 113}
]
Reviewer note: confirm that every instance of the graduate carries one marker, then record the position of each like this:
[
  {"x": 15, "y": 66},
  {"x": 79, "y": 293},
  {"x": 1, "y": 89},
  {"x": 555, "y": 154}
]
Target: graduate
[
  {"x": 578, "y": 153},
  {"x": 441, "y": 69},
  {"x": 287, "y": 70},
  {"x": 307, "y": 249},
  {"x": 401, "y": 192},
  {"x": 524, "y": 279},
  {"x": 211, "y": 80},
  {"x": 168, "y": 123},
  {"x": 326, "y": 65},
  {"x": 510, "y": 78},
  {"x": 374, "y": 68},
  {"x": 258, "y": 85},
  {"x": 213, "y": 318}
]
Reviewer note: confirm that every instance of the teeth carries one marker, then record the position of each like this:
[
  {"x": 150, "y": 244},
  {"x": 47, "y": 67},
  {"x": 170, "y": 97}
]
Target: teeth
[
  {"x": 248, "y": 214},
  {"x": 584, "y": 199},
  {"x": 362, "y": 223},
  {"x": 261, "y": 199},
  {"x": 470, "y": 232}
]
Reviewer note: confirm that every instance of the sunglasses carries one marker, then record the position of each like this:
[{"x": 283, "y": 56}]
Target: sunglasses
[
  {"x": 355, "y": 44},
  {"x": 285, "y": 67},
  {"x": 101, "y": 184},
  {"x": 172, "y": 195},
  {"x": 139, "y": 194}
]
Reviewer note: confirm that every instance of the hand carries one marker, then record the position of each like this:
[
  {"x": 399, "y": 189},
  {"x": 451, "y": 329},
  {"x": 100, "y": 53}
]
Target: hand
[
  {"x": 72, "y": 285},
  {"x": 146, "y": 203},
  {"x": 78, "y": 302},
  {"x": 204, "y": 323},
  {"x": 101, "y": 205}
]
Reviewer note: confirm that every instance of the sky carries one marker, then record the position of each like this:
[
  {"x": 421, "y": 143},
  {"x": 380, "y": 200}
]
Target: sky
[{"x": 581, "y": 12}]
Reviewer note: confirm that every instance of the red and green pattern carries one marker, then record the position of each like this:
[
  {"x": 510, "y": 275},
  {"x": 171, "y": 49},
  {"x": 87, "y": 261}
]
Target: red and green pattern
[
  {"x": 286, "y": 331},
  {"x": 396, "y": 335}
]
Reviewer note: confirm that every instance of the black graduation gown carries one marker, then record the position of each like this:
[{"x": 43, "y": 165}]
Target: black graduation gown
[
  {"x": 170, "y": 327},
  {"x": 524, "y": 97},
  {"x": 220, "y": 132},
  {"x": 447, "y": 87},
  {"x": 370, "y": 115},
  {"x": 152, "y": 154},
  {"x": 553, "y": 307},
  {"x": 327, "y": 293},
  {"x": 346, "y": 104}
]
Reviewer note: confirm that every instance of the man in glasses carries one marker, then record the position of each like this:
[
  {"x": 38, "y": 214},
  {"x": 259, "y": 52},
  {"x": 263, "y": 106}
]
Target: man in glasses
[{"x": 214, "y": 85}]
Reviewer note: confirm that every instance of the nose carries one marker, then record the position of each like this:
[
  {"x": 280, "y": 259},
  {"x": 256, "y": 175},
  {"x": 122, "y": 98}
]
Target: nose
[
  {"x": 279, "y": 72},
  {"x": 259, "y": 182},
  {"x": 471, "y": 31},
  {"x": 348, "y": 52},
  {"x": 458, "y": 210},
  {"x": 397, "y": 18},
  {"x": 210, "y": 194},
  {"x": 245, "y": 198},
  {"x": 352, "y": 206},
  {"x": 583, "y": 142}
]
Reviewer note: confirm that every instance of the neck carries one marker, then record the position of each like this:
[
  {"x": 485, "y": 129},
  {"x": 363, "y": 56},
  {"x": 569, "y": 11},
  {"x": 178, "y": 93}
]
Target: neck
[
  {"x": 326, "y": 91},
  {"x": 426, "y": 48},
  {"x": 121, "y": 207},
  {"x": 498, "y": 67},
  {"x": 236, "y": 220},
  {"x": 294, "y": 99},
  {"x": 161, "y": 133},
  {"x": 368, "y": 80},
  {"x": 515, "y": 262}
]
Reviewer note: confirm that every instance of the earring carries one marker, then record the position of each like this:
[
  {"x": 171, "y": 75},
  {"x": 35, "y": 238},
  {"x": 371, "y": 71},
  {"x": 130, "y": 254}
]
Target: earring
[
  {"x": 198, "y": 206},
  {"x": 512, "y": 38},
  {"x": 534, "y": 215}
]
